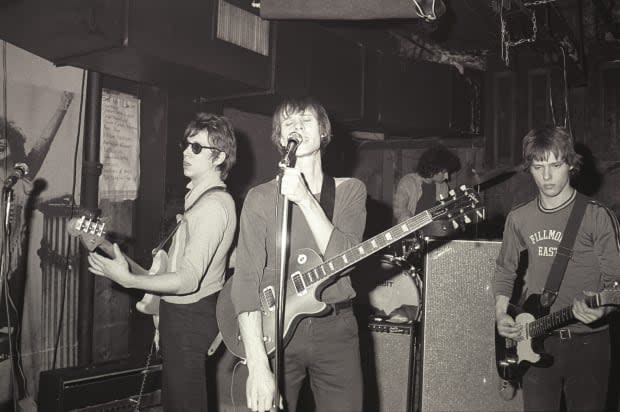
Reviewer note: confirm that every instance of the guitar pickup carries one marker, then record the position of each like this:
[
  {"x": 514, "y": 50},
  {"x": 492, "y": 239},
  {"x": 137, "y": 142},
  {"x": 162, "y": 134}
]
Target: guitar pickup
[
  {"x": 269, "y": 297},
  {"x": 298, "y": 283}
]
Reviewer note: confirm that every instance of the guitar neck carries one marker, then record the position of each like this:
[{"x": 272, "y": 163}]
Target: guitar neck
[
  {"x": 108, "y": 249},
  {"x": 555, "y": 320},
  {"x": 350, "y": 257}
]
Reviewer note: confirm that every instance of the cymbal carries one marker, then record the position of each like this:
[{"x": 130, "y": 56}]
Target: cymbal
[
  {"x": 495, "y": 172},
  {"x": 494, "y": 176}
]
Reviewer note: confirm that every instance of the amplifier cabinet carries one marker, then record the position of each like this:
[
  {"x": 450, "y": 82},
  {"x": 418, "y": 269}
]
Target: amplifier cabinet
[
  {"x": 458, "y": 330},
  {"x": 98, "y": 388},
  {"x": 388, "y": 359}
]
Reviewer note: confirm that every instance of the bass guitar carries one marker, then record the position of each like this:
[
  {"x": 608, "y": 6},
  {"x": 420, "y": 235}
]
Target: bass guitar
[
  {"x": 91, "y": 233},
  {"x": 309, "y": 275},
  {"x": 515, "y": 356}
]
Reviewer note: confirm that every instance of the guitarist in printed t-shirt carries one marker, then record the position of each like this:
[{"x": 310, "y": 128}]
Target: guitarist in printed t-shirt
[
  {"x": 190, "y": 283},
  {"x": 581, "y": 350}
]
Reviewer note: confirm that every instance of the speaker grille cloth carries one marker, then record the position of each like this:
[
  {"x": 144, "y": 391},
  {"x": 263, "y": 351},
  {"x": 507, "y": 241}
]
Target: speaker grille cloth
[
  {"x": 391, "y": 348},
  {"x": 458, "y": 369}
]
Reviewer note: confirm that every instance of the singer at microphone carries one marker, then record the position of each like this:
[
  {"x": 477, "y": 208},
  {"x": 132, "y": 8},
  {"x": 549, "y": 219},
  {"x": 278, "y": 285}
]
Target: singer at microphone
[
  {"x": 19, "y": 171},
  {"x": 328, "y": 215}
]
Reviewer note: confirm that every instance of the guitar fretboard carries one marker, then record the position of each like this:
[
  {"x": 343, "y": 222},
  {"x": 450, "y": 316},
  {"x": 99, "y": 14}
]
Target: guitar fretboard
[
  {"x": 366, "y": 248},
  {"x": 555, "y": 320},
  {"x": 450, "y": 209}
]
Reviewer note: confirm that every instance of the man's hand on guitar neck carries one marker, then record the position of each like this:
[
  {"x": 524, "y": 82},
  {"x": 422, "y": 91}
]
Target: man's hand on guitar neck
[
  {"x": 587, "y": 314},
  {"x": 506, "y": 325},
  {"x": 116, "y": 269}
]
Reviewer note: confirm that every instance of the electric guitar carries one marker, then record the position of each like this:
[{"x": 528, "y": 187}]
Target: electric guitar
[
  {"x": 309, "y": 275},
  {"x": 515, "y": 356},
  {"x": 91, "y": 233}
]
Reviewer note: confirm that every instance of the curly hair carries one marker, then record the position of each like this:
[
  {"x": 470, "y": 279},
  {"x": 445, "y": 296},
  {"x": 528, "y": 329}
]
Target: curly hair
[
  {"x": 221, "y": 135},
  {"x": 437, "y": 159},
  {"x": 540, "y": 142}
]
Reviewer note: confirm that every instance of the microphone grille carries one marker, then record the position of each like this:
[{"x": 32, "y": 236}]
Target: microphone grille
[
  {"x": 296, "y": 137},
  {"x": 23, "y": 167}
]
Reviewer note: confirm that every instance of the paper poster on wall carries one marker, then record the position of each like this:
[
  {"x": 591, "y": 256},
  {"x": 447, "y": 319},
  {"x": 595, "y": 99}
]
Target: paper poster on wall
[{"x": 120, "y": 146}]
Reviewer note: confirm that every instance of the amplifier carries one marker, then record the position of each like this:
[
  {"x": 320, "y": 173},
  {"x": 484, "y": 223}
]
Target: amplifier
[
  {"x": 387, "y": 361},
  {"x": 99, "y": 388},
  {"x": 458, "y": 370}
]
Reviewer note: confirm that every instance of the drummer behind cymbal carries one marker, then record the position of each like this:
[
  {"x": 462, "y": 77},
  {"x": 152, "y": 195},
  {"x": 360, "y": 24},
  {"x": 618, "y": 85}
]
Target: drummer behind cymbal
[{"x": 420, "y": 190}]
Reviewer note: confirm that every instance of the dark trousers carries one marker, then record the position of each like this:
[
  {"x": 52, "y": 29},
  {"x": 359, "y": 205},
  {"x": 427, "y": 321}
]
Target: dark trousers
[
  {"x": 580, "y": 370},
  {"x": 326, "y": 349},
  {"x": 186, "y": 331}
]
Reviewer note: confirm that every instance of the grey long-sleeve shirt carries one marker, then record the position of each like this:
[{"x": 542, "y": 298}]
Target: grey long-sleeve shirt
[{"x": 256, "y": 252}]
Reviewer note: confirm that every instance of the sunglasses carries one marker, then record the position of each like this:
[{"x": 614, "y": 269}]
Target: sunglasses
[{"x": 196, "y": 147}]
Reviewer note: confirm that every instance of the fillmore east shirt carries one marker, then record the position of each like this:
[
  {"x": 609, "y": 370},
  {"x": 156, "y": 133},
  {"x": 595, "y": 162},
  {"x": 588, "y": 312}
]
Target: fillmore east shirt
[{"x": 595, "y": 261}]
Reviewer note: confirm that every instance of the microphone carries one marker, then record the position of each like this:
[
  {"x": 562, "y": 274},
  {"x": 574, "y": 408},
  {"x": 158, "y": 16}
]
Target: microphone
[
  {"x": 294, "y": 139},
  {"x": 19, "y": 170}
]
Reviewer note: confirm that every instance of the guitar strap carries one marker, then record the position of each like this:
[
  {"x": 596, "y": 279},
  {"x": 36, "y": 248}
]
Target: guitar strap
[
  {"x": 328, "y": 196},
  {"x": 327, "y": 199},
  {"x": 564, "y": 253},
  {"x": 161, "y": 244}
]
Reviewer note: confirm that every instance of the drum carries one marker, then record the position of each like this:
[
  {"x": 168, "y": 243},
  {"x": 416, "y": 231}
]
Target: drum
[
  {"x": 402, "y": 253},
  {"x": 440, "y": 228},
  {"x": 410, "y": 246},
  {"x": 397, "y": 297}
]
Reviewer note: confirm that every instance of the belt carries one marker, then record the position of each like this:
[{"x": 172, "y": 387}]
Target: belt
[
  {"x": 566, "y": 334},
  {"x": 339, "y": 307}
]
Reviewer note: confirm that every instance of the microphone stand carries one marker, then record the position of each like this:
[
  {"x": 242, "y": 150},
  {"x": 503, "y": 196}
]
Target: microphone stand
[
  {"x": 281, "y": 280},
  {"x": 7, "y": 195},
  {"x": 7, "y": 201},
  {"x": 7, "y": 192}
]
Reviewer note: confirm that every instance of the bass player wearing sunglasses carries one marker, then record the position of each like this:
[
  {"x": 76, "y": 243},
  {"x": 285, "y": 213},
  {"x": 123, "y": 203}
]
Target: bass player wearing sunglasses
[{"x": 197, "y": 259}]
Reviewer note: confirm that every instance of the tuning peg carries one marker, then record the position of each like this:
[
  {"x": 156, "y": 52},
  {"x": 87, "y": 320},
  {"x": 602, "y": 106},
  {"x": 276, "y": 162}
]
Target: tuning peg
[
  {"x": 79, "y": 222},
  {"x": 466, "y": 219},
  {"x": 441, "y": 197},
  {"x": 463, "y": 188},
  {"x": 92, "y": 226},
  {"x": 455, "y": 224},
  {"x": 479, "y": 214},
  {"x": 451, "y": 192},
  {"x": 100, "y": 228}
]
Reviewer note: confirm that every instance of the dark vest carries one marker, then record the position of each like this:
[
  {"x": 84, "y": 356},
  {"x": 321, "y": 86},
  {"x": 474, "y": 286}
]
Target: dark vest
[{"x": 428, "y": 197}]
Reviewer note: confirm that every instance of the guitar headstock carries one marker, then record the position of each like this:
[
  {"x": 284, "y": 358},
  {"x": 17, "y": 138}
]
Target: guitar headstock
[
  {"x": 463, "y": 206},
  {"x": 610, "y": 296},
  {"x": 90, "y": 231}
]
